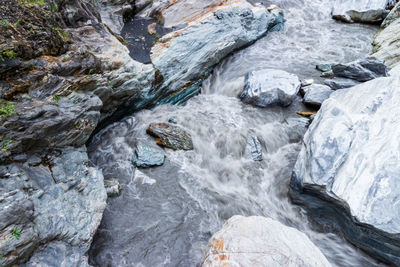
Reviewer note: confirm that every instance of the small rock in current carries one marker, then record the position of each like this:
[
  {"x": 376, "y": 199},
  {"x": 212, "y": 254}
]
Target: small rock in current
[
  {"x": 113, "y": 187},
  {"x": 147, "y": 156},
  {"x": 253, "y": 148},
  {"x": 171, "y": 136},
  {"x": 324, "y": 67}
]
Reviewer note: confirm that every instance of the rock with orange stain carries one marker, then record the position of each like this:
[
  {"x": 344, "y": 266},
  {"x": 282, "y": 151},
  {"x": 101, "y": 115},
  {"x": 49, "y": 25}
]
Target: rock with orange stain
[{"x": 259, "y": 241}]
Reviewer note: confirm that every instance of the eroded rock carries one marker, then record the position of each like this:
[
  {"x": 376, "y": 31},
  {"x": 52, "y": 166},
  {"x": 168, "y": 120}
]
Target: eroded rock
[
  {"x": 316, "y": 94},
  {"x": 373, "y": 11},
  {"x": 260, "y": 241},
  {"x": 347, "y": 172}
]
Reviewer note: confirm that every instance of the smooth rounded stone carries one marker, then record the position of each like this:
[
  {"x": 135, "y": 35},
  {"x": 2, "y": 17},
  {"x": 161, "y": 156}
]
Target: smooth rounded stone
[
  {"x": 147, "y": 156},
  {"x": 340, "y": 83},
  {"x": 324, "y": 67},
  {"x": 361, "y": 70},
  {"x": 113, "y": 187},
  {"x": 171, "y": 136},
  {"x": 260, "y": 241},
  {"x": 316, "y": 94},
  {"x": 347, "y": 172},
  {"x": 253, "y": 148},
  {"x": 268, "y": 87},
  {"x": 371, "y": 11}
]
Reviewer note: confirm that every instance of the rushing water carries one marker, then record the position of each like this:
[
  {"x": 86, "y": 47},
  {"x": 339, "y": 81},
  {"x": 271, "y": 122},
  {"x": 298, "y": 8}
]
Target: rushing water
[{"x": 166, "y": 215}]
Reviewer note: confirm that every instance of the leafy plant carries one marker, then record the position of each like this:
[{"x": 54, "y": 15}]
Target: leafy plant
[
  {"x": 6, "y": 109},
  {"x": 5, "y": 22},
  {"x": 9, "y": 54},
  {"x": 65, "y": 59},
  {"x": 17, "y": 22},
  {"x": 158, "y": 36},
  {"x": 90, "y": 71},
  {"x": 16, "y": 233},
  {"x": 75, "y": 102},
  {"x": 4, "y": 147},
  {"x": 56, "y": 98}
]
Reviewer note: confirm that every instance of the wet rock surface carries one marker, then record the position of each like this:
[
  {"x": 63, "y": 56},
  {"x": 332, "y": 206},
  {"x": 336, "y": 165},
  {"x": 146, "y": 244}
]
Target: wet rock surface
[
  {"x": 353, "y": 73},
  {"x": 316, "y": 94},
  {"x": 171, "y": 136},
  {"x": 48, "y": 205},
  {"x": 146, "y": 155},
  {"x": 270, "y": 87},
  {"x": 346, "y": 173},
  {"x": 373, "y": 11},
  {"x": 260, "y": 241},
  {"x": 253, "y": 148}
]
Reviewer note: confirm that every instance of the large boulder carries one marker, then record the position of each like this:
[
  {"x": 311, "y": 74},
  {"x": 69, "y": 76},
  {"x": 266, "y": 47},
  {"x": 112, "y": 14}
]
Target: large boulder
[
  {"x": 186, "y": 56},
  {"x": 386, "y": 41},
  {"x": 50, "y": 209},
  {"x": 347, "y": 173},
  {"x": 260, "y": 241},
  {"x": 373, "y": 11},
  {"x": 268, "y": 87}
]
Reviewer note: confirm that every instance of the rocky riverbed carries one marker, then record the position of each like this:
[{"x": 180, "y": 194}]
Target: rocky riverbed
[{"x": 185, "y": 114}]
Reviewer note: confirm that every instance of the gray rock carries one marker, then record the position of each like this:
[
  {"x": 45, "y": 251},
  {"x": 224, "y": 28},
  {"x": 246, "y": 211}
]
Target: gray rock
[
  {"x": 361, "y": 70},
  {"x": 270, "y": 87},
  {"x": 260, "y": 241},
  {"x": 347, "y": 172},
  {"x": 56, "y": 211},
  {"x": 113, "y": 187},
  {"x": 253, "y": 148},
  {"x": 171, "y": 136},
  {"x": 147, "y": 156},
  {"x": 316, "y": 94},
  {"x": 373, "y": 11},
  {"x": 328, "y": 74},
  {"x": 386, "y": 40},
  {"x": 340, "y": 83},
  {"x": 185, "y": 56},
  {"x": 324, "y": 67}
]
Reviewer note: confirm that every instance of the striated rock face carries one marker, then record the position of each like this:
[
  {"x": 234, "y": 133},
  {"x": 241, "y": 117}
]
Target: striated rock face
[
  {"x": 347, "y": 173},
  {"x": 184, "y": 57},
  {"x": 386, "y": 42},
  {"x": 55, "y": 209},
  {"x": 171, "y": 136},
  {"x": 269, "y": 87},
  {"x": 260, "y": 241},
  {"x": 373, "y": 11}
]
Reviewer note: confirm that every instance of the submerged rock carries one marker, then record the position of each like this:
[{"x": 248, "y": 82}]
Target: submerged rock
[
  {"x": 347, "y": 172},
  {"x": 268, "y": 87},
  {"x": 316, "y": 94},
  {"x": 147, "y": 156},
  {"x": 373, "y": 11},
  {"x": 260, "y": 241},
  {"x": 253, "y": 148},
  {"x": 170, "y": 136}
]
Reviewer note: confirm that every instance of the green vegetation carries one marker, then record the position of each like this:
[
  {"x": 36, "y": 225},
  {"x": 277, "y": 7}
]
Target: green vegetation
[
  {"x": 56, "y": 98},
  {"x": 6, "y": 109},
  {"x": 4, "y": 146},
  {"x": 1, "y": 258},
  {"x": 63, "y": 35},
  {"x": 16, "y": 233},
  {"x": 75, "y": 102},
  {"x": 17, "y": 22},
  {"x": 30, "y": 3},
  {"x": 90, "y": 71},
  {"x": 10, "y": 54},
  {"x": 5, "y": 22},
  {"x": 65, "y": 59},
  {"x": 77, "y": 125}
]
